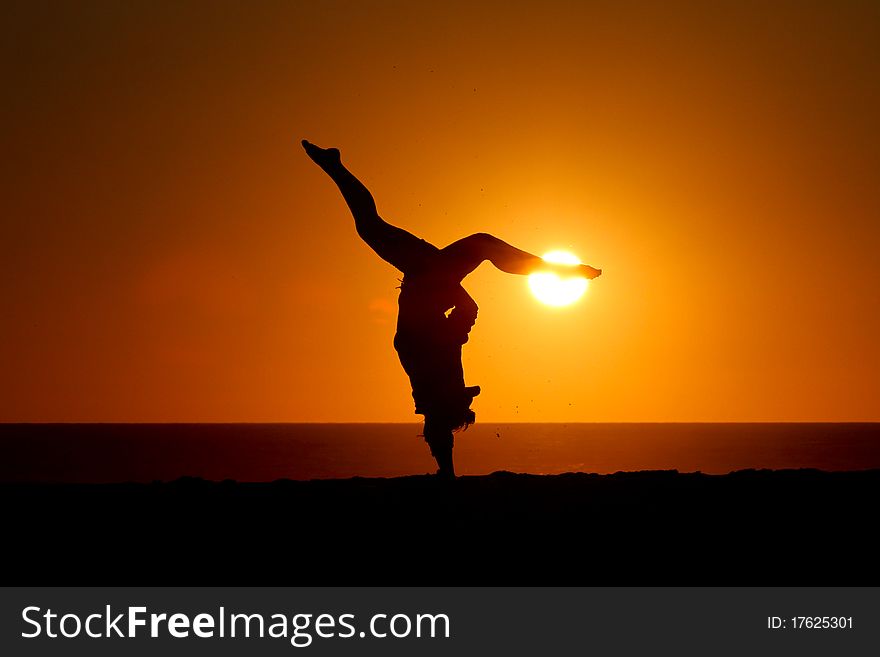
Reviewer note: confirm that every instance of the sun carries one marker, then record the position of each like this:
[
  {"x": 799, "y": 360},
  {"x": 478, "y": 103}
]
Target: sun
[{"x": 555, "y": 290}]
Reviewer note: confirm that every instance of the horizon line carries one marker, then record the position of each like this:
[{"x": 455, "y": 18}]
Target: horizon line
[{"x": 374, "y": 422}]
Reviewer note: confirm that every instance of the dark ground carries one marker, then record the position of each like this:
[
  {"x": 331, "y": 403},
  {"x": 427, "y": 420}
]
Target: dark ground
[{"x": 787, "y": 527}]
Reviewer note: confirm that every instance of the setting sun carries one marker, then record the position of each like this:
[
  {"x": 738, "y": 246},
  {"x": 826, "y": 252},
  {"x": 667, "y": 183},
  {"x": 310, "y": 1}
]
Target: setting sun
[{"x": 555, "y": 290}]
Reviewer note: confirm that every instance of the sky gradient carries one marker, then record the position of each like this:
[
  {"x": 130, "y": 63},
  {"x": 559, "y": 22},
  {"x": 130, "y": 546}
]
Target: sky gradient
[{"x": 169, "y": 253}]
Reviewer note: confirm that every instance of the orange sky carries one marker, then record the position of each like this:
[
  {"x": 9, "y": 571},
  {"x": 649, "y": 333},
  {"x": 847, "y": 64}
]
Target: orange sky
[{"x": 170, "y": 254}]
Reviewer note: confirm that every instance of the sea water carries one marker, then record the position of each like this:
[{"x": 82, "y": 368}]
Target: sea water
[{"x": 265, "y": 452}]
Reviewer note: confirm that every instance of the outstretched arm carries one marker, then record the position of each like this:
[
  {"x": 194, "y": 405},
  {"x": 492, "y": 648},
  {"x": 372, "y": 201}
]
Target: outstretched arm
[{"x": 466, "y": 254}]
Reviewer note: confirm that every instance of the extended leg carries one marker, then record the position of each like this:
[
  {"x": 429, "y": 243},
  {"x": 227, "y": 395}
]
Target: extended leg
[
  {"x": 394, "y": 245},
  {"x": 465, "y": 255}
]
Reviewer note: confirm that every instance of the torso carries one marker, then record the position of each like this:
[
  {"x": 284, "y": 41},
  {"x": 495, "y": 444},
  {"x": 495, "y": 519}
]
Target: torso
[{"x": 423, "y": 303}]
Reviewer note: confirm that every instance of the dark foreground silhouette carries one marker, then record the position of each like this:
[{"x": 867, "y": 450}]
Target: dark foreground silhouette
[
  {"x": 794, "y": 527},
  {"x": 436, "y": 313}
]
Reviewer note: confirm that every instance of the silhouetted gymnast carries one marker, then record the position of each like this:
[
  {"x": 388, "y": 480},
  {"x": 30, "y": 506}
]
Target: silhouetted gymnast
[{"x": 435, "y": 312}]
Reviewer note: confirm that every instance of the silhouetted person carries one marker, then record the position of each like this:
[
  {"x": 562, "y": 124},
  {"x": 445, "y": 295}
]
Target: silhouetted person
[{"x": 435, "y": 312}]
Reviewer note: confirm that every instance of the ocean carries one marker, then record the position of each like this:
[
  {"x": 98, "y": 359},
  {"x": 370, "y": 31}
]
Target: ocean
[{"x": 100, "y": 453}]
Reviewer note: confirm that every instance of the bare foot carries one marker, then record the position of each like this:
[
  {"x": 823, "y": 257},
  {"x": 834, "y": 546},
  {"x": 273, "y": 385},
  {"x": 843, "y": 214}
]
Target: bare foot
[
  {"x": 569, "y": 271},
  {"x": 323, "y": 157},
  {"x": 590, "y": 272}
]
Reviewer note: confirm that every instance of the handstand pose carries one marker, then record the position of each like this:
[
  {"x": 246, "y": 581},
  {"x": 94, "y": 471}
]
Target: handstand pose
[{"x": 436, "y": 314}]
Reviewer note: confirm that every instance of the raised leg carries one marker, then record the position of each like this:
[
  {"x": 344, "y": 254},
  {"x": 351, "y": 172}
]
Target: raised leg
[
  {"x": 395, "y": 245},
  {"x": 465, "y": 255}
]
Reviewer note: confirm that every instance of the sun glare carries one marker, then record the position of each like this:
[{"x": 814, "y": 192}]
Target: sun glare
[{"x": 554, "y": 290}]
